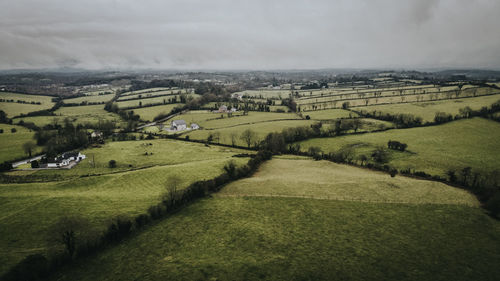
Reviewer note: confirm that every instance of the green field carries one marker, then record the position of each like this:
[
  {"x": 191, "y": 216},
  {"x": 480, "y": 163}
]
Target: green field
[
  {"x": 14, "y": 109},
  {"x": 435, "y": 149},
  {"x": 153, "y": 93},
  {"x": 330, "y": 114},
  {"x": 150, "y": 90},
  {"x": 76, "y": 114},
  {"x": 261, "y": 130},
  {"x": 239, "y": 119},
  {"x": 149, "y": 113},
  {"x": 427, "y": 110},
  {"x": 327, "y": 180},
  {"x": 28, "y": 209},
  {"x": 234, "y": 236},
  {"x": 90, "y": 98},
  {"x": 12, "y": 143}
]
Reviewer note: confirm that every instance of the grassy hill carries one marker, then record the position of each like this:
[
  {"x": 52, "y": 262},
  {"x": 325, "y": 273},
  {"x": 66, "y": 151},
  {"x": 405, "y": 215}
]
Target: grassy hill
[
  {"x": 435, "y": 149},
  {"x": 242, "y": 235},
  {"x": 12, "y": 143},
  {"x": 27, "y": 210},
  {"x": 14, "y": 108},
  {"x": 427, "y": 110}
]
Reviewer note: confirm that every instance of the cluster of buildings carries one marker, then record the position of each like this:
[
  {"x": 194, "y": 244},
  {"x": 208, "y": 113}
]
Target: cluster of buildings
[
  {"x": 224, "y": 109},
  {"x": 65, "y": 159},
  {"x": 181, "y": 125}
]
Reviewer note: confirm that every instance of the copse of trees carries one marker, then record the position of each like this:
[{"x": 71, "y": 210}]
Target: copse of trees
[
  {"x": 65, "y": 138},
  {"x": 396, "y": 145}
]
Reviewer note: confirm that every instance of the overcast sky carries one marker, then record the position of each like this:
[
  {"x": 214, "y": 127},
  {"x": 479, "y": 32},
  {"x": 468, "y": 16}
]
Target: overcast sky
[{"x": 253, "y": 34}]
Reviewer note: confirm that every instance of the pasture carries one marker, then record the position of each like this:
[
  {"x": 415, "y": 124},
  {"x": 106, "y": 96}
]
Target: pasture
[
  {"x": 76, "y": 114},
  {"x": 225, "y": 135},
  {"x": 154, "y": 93},
  {"x": 427, "y": 110},
  {"x": 283, "y": 238},
  {"x": 12, "y": 143},
  {"x": 330, "y": 114},
  {"x": 379, "y": 96},
  {"x": 327, "y": 180},
  {"x": 434, "y": 149},
  {"x": 149, "y": 113},
  {"x": 28, "y": 210},
  {"x": 90, "y": 99},
  {"x": 153, "y": 100},
  {"x": 15, "y": 108}
]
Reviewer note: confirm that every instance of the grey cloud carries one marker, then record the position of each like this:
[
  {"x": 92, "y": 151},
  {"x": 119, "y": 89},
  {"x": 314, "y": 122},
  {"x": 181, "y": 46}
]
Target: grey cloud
[{"x": 197, "y": 34}]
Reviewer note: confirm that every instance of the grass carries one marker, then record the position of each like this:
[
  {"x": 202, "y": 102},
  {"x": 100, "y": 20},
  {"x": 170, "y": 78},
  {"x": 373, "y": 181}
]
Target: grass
[
  {"x": 90, "y": 98},
  {"x": 361, "y": 99},
  {"x": 327, "y": 180},
  {"x": 435, "y": 149},
  {"x": 12, "y": 143},
  {"x": 14, "y": 109},
  {"x": 76, "y": 114},
  {"x": 329, "y": 114},
  {"x": 240, "y": 119},
  {"x": 427, "y": 110},
  {"x": 27, "y": 210},
  {"x": 261, "y": 130},
  {"x": 156, "y": 92},
  {"x": 250, "y": 238},
  {"x": 149, "y": 113}
]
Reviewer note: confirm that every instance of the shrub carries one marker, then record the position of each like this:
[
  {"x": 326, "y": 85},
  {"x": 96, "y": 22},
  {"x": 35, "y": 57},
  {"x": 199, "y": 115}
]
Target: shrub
[
  {"x": 493, "y": 204},
  {"x": 112, "y": 163},
  {"x": 393, "y": 172},
  {"x": 35, "y": 164},
  {"x": 13, "y": 130},
  {"x": 32, "y": 267}
]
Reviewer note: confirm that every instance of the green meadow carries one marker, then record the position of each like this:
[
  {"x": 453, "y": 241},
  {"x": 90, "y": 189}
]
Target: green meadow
[
  {"x": 75, "y": 114},
  {"x": 99, "y": 193},
  {"x": 329, "y": 114},
  {"x": 260, "y": 129},
  {"x": 434, "y": 150},
  {"x": 12, "y": 143},
  {"x": 327, "y": 180},
  {"x": 427, "y": 110},
  {"x": 14, "y": 108},
  {"x": 149, "y": 113},
  {"x": 259, "y": 228},
  {"x": 90, "y": 98}
]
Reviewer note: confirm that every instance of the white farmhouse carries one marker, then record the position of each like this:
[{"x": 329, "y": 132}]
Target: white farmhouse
[
  {"x": 194, "y": 126},
  {"x": 178, "y": 125}
]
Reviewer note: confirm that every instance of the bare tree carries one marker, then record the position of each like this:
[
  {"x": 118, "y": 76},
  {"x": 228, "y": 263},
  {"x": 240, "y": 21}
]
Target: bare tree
[
  {"x": 28, "y": 147},
  {"x": 248, "y": 136},
  {"x": 69, "y": 231},
  {"x": 233, "y": 138}
]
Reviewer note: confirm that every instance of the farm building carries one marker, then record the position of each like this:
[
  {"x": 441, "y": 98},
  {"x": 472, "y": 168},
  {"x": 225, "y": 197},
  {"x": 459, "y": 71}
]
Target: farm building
[
  {"x": 194, "y": 126},
  {"x": 65, "y": 159},
  {"x": 222, "y": 109},
  {"x": 178, "y": 125}
]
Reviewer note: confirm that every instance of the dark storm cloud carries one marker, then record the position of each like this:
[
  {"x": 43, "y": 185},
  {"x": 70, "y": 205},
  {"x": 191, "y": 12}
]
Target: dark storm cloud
[{"x": 200, "y": 34}]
